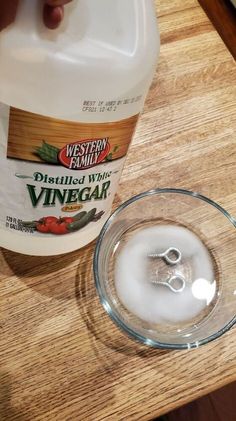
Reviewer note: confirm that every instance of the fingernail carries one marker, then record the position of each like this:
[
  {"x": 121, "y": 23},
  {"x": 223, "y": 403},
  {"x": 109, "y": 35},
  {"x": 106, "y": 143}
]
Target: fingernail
[{"x": 53, "y": 16}]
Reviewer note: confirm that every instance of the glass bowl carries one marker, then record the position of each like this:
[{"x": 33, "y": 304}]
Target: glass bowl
[{"x": 164, "y": 269}]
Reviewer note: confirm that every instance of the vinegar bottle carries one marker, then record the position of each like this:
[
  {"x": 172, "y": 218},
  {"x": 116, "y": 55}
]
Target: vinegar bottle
[{"x": 69, "y": 104}]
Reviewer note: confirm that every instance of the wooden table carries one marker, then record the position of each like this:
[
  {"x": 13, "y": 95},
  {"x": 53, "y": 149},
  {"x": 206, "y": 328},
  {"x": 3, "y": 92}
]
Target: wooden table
[{"x": 61, "y": 356}]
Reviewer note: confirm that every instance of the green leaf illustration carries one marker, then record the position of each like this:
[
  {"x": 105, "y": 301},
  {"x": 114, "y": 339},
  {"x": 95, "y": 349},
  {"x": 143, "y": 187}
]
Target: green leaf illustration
[{"x": 48, "y": 153}]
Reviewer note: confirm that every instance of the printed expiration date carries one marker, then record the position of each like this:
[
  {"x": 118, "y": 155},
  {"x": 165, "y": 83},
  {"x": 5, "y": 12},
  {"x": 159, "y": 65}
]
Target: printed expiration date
[{"x": 108, "y": 106}]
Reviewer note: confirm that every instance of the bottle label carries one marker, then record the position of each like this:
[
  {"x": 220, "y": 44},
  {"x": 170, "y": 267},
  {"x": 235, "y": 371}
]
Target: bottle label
[{"x": 58, "y": 177}]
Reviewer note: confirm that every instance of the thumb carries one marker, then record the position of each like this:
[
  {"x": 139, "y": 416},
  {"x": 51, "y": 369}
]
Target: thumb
[
  {"x": 53, "y": 12},
  {"x": 53, "y": 16}
]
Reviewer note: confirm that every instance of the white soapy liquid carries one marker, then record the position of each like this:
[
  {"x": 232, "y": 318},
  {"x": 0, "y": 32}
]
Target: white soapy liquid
[{"x": 156, "y": 303}]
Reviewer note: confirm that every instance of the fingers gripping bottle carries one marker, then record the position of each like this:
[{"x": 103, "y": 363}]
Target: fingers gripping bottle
[{"x": 69, "y": 104}]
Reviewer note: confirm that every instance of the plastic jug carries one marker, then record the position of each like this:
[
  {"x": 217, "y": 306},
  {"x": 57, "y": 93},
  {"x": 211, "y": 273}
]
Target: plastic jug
[{"x": 69, "y": 104}]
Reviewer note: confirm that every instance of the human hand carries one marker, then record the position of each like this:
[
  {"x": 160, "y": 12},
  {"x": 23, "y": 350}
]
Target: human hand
[{"x": 53, "y": 12}]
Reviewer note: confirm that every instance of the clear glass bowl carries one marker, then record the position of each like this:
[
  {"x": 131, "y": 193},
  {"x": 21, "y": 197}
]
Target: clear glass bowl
[{"x": 129, "y": 272}]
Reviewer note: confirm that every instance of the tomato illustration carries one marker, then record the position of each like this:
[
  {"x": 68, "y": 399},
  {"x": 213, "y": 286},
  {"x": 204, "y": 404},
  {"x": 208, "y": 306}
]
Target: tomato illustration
[
  {"x": 43, "y": 228},
  {"x": 48, "y": 220},
  {"x": 58, "y": 227},
  {"x": 67, "y": 219}
]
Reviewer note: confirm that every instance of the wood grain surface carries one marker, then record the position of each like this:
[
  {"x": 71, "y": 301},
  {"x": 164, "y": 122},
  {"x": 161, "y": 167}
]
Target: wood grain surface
[
  {"x": 28, "y": 131},
  {"x": 219, "y": 405},
  {"x": 61, "y": 357},
  {"x": 223, "y": 16}
]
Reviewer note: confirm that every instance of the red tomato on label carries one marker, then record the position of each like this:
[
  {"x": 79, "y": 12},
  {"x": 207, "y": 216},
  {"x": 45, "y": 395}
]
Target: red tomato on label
[
  {"x": 58, "y": 228},
  {"x": 67, "y": 219},
  {"x": 44, "y": 228},
  {"x": 48, "y": 219}
]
